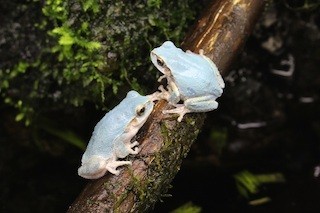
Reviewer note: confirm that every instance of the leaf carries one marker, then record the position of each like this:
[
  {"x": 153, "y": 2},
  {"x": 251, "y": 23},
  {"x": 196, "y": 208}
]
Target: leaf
[
  {"x": 187, "y": 208},
  {"x": 91, "y": 4},
  {"x": 66, "y": 39},
  {"x": 84, "y": 26},
  {"x": 92, "y": 45},
  {"x": 154, "y": 3},
  {"x": 66, "y": 135},
  {"x": 87, "y": 5},
  {"x": 22, "y": 67},
  {"x": 87, "y": 81},
  {"x": 58, "y": 30},
  {"x": 151, "y": 20},
  {"x": 19, "y": 117},
  {"x": 5, "y": 84}
]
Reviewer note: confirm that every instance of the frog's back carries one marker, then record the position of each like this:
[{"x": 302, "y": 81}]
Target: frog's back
[
  {"x": 111, "y": 126},
  {"x": 196, "y": 77}
]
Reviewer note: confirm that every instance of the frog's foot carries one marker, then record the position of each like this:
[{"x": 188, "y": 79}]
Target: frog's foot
[
  {"x": 161, "y": 78},
  {"x": 156, "y": 96},
  {"x": 130, "y": 147},
  {"x": 180, "y": 109},
  {"x": 164, "y": 94},
  {"x": 112, "y": 166}
]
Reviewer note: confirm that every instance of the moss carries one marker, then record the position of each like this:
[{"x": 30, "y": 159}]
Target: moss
[
  {"x": 187, "y": 208},
  {"x": 166, "y": 135},
  {"x": 66, "y": 53},
  {"x": 140, "y": 188},
  {"x": 173, "y": 146}
]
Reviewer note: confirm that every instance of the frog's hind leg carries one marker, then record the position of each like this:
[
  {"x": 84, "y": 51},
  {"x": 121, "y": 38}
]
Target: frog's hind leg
[
  {"x": 112, "y": 166},
  {"x": 94, "y": 168},
  {"x": 197, "y": 104},
  {"x": 201, "y": 104},
  {"x": 180, "y": 109}
]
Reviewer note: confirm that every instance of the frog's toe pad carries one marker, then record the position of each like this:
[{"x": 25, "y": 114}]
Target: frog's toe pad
[
  {"x": 181, "y": 111},
  {"x": 134, "y": 151},
  {"x": 131, "y": 149},
  {"x": 112, "y": 166},
  {"x": 133, "y": 144}
]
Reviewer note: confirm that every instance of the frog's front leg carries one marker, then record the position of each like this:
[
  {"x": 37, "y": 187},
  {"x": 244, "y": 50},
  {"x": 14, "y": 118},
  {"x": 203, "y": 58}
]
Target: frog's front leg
[
  {"x": 198, "y": 104},
  {"x": 174, "y": 92},
  {"x": 163, "y": 94},
  {"x": 171, "y": 95},
  {"x": 123, "y": 147},
  {"x": 130, "y": 147},
  {"x": 161, "y": 78}
]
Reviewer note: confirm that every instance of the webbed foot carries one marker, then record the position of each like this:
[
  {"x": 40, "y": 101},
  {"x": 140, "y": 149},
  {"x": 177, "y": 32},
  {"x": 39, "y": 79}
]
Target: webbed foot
[
  {"x": 156, "y": 96},
  {"x": 112, "y": 166},
  {"x": 180, "y": 109},
  {"x": 163, "y": 94}
]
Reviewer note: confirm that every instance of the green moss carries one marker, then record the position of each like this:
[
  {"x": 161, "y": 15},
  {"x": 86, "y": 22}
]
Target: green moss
[
  {"x": 84, "y": 51},
  {"x": 149, "y": 187},
  {"x": 187, "y": 208},
  {"x": 166, "y": 135},
  {"x": 140, "y": 188},
  {"x": 92, "y": 5}
]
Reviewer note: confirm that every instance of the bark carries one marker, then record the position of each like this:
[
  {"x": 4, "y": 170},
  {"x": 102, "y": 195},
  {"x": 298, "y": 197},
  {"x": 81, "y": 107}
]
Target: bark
[{"x": 164, "y": 142}]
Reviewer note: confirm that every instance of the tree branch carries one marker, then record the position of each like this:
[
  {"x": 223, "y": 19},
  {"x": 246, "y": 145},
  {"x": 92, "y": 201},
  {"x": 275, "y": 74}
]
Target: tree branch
[{"x": 164, "y": 142}]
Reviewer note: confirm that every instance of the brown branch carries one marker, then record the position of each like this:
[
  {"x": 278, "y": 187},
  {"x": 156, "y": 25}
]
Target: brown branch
[
  {"x": 163, "y": 141},
  {"x": 223, "y": 29}
]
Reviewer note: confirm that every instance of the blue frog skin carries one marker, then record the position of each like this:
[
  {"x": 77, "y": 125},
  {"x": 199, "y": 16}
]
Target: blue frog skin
[
  {"x": 192, "y": 78},
  {"x": 111, "y": 138}
]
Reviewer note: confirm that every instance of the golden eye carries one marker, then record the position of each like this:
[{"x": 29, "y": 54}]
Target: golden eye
[
  {"x": 140, "y": 110},
  {"x": 160, "y": 62}
]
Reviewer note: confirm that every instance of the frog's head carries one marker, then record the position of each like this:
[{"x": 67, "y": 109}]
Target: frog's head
[
  {"x": 140, "y": 108},
  {"x": 166, "y": 57}
]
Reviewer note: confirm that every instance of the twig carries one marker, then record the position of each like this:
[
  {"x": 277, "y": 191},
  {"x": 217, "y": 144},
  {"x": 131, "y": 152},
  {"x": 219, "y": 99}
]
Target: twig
[{"x": 164, "y": 142}]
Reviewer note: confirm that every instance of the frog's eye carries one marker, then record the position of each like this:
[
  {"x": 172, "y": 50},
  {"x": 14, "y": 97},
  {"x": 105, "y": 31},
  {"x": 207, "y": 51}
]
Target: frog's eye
[
  {"x": 140, "y": 110},
  {"x": 160, "y": 62}
]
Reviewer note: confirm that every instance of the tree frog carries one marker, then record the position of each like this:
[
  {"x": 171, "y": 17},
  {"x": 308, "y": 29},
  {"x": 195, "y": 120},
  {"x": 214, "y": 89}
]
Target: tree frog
[
  {"x": 111, "y": 138},
  {"x": 192, "y": 78}
]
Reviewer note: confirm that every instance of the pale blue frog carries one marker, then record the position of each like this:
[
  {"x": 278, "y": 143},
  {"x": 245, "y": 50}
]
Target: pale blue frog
[
  {"x": 192, "y": 78},
  {"x": 111, "y": 138}
]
